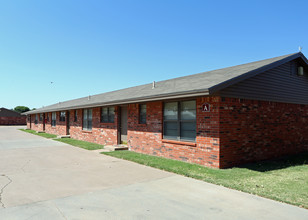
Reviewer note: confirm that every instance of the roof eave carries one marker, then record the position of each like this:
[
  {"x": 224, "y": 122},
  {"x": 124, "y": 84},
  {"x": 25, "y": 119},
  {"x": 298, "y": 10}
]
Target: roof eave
[{"x": 126, "y": 101}]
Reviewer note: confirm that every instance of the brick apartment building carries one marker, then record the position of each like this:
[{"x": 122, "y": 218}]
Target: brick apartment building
[
  {"x": 9, "y": 117},
  {"x": 219, "y": 118}
]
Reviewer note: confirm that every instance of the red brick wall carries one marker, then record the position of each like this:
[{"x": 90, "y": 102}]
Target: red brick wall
[
  {"x": 38, "y": 126},
  {"x": 257, "y": 130},
  {"x": 13, "y": 120},
  {"x": 233, "y": 132},
  {"x": 102, "y": 133},
  {"x": 59, "y": 129},
  {"x": 28, "y": 122},
  {"x": 148, "y": 138}
]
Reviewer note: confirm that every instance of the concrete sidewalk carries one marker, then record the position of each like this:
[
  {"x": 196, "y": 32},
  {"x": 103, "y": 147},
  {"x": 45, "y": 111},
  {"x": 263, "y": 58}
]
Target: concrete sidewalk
[{"x": 45, "y": 179}]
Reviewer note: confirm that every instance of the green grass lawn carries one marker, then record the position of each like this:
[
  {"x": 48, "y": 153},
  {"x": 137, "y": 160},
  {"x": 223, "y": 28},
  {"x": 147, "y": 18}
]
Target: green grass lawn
[
  {"x": 45, "y": 135},
  {"x": 74, "y": 142},
  {"x": 284, "y": 180},
  {"x": 81, "y": 144}
]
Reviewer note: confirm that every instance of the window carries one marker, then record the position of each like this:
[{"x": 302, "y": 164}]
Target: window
[
  {"x": 35, "y": 121},
  {"x": 87, "y": 119},
  {"x": 180, "y": 120},
  {"x": 53, "y": 119},
  {"x": 107, "y": 114},
  {"x": 75, "y": 116},
  {"x": 41, "y": 117},
  {"x": 62, "y": 116},
  {"x": 142, "y": 114},
  {"x": 47, "y": 116}
]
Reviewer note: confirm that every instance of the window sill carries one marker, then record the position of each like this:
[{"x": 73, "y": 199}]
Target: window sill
[
  {"x": 193, "y": 144},
  {"x": 85, "y": 131}
]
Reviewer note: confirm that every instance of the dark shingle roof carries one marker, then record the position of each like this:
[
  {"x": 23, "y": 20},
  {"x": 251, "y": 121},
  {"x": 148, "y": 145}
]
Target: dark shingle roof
[
  {"x": 9, "y": 113},
  {"x": 206, "y": 83}
]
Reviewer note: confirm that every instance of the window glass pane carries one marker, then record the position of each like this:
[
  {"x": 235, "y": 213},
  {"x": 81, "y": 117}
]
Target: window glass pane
[
  {"x": 111, "y": 114},
  {"x": 85, "y": 114},
  {"x": 171, "y": 126},
  {"x": 171, "y": 130},
  {"x": 62, "y": 116},
  {"x": 188, "y": 130},
  {"x": 89, "y": 125},
  {"x": 188, "y": 110},
  {"x": 142, "y": 119},
  {"x": 143, "y": 108},
  {"x": 188, "y": 126},
  {"x": 84, "y": 124},
  {"x": 111, "y": 110},
  {"x": 90, "y": 114},
  {"x": 171, "y": 111},
  {"x": 104, "y": 114},
  {"x": 111, "y": 118},
  {"x": 53, "y": 119},
  {"x": 188, "y": 135},
  {"x": 85, "y": 119},
  {"x": 142, "y": 114}
]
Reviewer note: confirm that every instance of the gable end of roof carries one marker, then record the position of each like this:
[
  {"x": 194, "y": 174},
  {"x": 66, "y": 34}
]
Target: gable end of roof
[{"x": 255, "y": 72}]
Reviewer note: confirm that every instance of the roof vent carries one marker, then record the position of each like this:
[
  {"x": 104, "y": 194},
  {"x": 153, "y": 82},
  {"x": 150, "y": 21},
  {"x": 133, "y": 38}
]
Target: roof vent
[
  {"x": 89, "y": 97},
  {"x": 300, "y": 48},
  {"x": 300, "y": 71},
  {"x": 153, "y": 85}
]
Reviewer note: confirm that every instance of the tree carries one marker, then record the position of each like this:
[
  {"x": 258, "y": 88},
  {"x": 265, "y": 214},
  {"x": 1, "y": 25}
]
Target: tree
[{"x": 21, "y": 109}]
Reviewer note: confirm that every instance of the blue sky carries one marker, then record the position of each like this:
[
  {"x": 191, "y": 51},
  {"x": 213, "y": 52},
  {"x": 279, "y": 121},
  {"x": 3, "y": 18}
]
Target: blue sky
[{"x": 89, "y": 47}]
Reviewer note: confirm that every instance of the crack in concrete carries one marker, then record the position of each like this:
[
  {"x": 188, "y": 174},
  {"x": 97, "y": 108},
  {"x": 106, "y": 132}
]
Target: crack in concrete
[
  {"x": 2, "y": 189},
  {"x": 60, "y": 211},
  {"x": 22, "y": 168}
]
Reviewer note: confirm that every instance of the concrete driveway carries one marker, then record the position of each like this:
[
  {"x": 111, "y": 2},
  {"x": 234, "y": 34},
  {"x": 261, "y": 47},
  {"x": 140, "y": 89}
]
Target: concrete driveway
[{"x": 45, "y": 179}]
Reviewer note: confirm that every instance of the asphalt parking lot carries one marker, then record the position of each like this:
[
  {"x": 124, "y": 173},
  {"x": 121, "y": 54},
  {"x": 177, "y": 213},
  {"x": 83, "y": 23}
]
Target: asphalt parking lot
[{"x": 45, "y": 179}]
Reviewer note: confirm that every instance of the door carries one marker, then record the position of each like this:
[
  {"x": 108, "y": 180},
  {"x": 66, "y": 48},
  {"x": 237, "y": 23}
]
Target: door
[
  {"x": 44, "y": 121},
  {"x": 123, "y": 125},
  {"x": 68, "y": 126}
]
